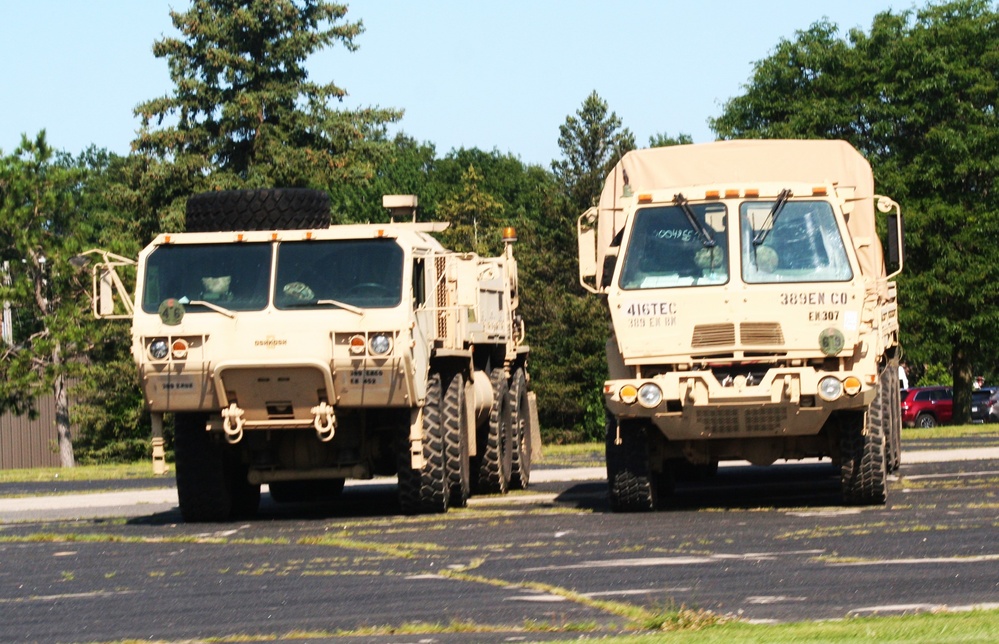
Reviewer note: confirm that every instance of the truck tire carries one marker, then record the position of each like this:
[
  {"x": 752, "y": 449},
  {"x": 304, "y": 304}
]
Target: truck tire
[
  {"x": 211, "y": 480},
  {"x": 424, "y": 491},
  {"x": 890, "y": 392},
  {"x": 495, "y": 457},
  {"x": 307, "y": 491},
  {"x": 273, "y": 209},
  {"x": 520, "y": 431},
  {"x": 629, "y": 477},
  {"x": 863, "y": 461},
  {"x": 454, "y": 418}
]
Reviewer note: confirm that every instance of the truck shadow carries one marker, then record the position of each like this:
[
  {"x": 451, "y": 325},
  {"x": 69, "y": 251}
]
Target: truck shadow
[{"x": 734, "y": 487}]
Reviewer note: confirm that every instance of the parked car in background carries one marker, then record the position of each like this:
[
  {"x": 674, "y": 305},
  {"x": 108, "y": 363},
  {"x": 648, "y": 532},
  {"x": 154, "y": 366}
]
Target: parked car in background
[
  {"x": 980, "y": 405},
  {"x": 994, "y": 407},
  {"x": 927, "y": 406}
]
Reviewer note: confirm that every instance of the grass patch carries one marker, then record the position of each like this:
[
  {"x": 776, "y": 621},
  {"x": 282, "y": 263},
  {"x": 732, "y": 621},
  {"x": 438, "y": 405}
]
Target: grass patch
[
  {"x": 950, "y": 431},
  {"x": 118, "y": 472}
]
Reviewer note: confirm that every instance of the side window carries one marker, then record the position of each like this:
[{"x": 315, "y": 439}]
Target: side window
[
  {"x": 419, "y": 282},
  {"x": 924, "y": 395}
]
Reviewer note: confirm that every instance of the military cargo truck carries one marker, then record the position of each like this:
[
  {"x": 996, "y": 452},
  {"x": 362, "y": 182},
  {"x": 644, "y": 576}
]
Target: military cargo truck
[
  {"x": 298, "y": 354},
  {"x": 753, "y": 313}
]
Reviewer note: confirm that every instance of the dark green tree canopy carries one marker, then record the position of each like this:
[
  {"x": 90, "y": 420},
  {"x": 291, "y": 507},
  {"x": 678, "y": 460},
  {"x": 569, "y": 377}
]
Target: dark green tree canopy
[
  {"x": 591, "y": 142},
  {"x": 244, "y": 111}
]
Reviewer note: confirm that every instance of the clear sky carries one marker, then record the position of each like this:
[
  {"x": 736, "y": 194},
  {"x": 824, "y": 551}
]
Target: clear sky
[{"x": 492, "y": 74}]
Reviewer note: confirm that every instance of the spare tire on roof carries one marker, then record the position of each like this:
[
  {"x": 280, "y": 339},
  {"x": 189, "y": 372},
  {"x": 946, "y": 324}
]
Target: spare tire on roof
[{"x": 270, "y": 209}]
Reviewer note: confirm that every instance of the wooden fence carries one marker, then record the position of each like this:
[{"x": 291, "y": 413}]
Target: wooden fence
[{"x": 29, "y": 443}]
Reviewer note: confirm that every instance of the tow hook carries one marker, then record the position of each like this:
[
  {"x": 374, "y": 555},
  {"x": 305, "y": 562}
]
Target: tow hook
[
  {"x": 230, "y": 416},
  {"x": 324, "y": 422}
]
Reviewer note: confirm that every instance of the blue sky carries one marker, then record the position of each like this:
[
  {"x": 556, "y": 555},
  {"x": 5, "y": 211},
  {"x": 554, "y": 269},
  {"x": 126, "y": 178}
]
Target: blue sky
[{"x": 469, "y": 73}]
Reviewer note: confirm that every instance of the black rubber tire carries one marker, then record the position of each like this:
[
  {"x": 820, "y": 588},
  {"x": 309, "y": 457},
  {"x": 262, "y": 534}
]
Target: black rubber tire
[
  {"x": 926, "y": 421},
  {"x": 272, "y": 209},
  {"x": 520, "y": 431},
  {"x": 494, "y": 458},
  {"x": 454, "y": 419},
  {"x": 211, "y": 481},
  {"x": 891, "y": 392},
  {"x": 629, "y": 477},
  {"x": 306, "y": 491},
  {"x": 425, "y": 491},
  {"x": 863, "y": 457}
]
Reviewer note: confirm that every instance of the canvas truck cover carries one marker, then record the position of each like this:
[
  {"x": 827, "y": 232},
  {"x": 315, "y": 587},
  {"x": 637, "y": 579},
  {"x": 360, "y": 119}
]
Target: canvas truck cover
[{"x": 746, "y": 162}]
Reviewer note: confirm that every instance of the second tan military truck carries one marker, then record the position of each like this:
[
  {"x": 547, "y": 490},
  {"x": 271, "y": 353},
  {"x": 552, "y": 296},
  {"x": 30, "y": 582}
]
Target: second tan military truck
[
  {"x": 298, "y": 354},
  {"x": 753, "y": 311}
]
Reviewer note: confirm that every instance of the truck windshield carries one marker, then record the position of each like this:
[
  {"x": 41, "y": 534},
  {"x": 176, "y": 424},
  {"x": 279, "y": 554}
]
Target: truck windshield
[
  {"x": 232, "y": 276},
  {"x": 365, "y": 273},
  {"x": 802, "y": 245},
  {"x": 665, "y": 251}
]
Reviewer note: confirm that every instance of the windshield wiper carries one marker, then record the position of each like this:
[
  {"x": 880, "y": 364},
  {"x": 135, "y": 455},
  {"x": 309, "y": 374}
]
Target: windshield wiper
[
  {"x": 771, "y": 219},
  {"x": 706, "y": 238},
  {"x": 343, "y": 305},
  {"x": 211, "y": 305}
]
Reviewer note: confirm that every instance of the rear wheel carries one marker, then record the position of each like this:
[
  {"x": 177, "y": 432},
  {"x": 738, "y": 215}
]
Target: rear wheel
[
  {"x": 425, "y": 490},
  {"x": 520, "y": 431},
  {"x": 454, "y": 419},
  {"x": 495, "y": 458},
  {"x": 892, "y": 395},
  {"x": 212, "y": 482},
  {"x": 629, "y": 477},
  {"x": 926, "y": 421}
]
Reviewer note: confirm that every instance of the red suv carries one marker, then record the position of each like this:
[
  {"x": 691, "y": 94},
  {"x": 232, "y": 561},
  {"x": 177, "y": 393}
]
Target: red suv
[{"x": 927, "y": 406}]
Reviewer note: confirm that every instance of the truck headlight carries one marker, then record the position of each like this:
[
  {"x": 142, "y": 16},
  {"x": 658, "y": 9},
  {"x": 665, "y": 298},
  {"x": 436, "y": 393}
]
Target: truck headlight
[
  {"x": 830, "y": 388},
  {"x": 380, "y": 344},
  {"x": 158, "y": 349},
  {"x": 650, "y": 395}
]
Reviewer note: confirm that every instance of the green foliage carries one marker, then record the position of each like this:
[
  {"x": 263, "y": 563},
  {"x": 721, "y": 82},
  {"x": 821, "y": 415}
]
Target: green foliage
[
  {"x": 663, "y": 140},
  {"x": 243, "y": 112},
  {"x": 591, "y": 143},
  {"x": 933, "y": 374},
  {"x": 917, "y": 94}
]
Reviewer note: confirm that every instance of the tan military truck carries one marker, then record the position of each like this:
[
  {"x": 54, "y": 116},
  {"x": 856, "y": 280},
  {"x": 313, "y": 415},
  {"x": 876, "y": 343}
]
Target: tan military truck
[
  {"x": 753, "y": 315},
  {"x": 299, "y": 354}
]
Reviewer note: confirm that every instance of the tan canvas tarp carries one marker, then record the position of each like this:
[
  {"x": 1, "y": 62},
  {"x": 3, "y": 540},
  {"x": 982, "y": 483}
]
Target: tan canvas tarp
[{"x": 744, "y": 162}]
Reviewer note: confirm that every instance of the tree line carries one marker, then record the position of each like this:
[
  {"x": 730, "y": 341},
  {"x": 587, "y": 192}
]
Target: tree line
[{"x": 916, "y": 94}]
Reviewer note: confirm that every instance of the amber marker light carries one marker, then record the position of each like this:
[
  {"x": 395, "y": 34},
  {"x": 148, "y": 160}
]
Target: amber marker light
[
  {"x": 179, "y": 349},
  {"x": 753, "y": 192},
  {"x": 629, "y": 394},
  {"x": 731, "y": 194},
  {"x": 509, "y": 235},
  {"x": 819, "y": 191},
  {"x": 646, "y": 198},
  {"x": 851, "y": 385},
  {"x": 712, "y": 194},
  {"x": 357, "y": 344}
]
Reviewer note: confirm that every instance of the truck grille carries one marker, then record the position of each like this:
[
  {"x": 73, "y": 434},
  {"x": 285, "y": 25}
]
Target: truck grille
[
  {"x": 713, "y": 335},
  {"x": 750, "y": 334},
  {"x": 756, "y": 333}
]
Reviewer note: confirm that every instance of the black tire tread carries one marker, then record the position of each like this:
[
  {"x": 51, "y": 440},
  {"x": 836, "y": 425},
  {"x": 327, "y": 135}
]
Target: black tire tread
[
  {"x": 425, "y": 491},
  {"x": 630, "y": 480},
  {"x": 269, "y": 209},
  {"x": 494, "y": 456},
  {"x": 519, "y": 410}
]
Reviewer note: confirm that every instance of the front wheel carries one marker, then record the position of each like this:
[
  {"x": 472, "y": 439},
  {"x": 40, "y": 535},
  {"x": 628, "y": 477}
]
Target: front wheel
[
  {"x": 425, "y": 490},
  {"x": 212, "y": 482},
  {"x": 520, "y": 431},
  {"x": 629, "y": 477},
  {"x": 926, "y": 421}
]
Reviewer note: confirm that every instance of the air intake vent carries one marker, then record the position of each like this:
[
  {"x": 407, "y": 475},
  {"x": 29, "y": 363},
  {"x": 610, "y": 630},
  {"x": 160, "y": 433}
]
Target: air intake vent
[
  {"x": 757, "y": 333},
  {"x": 713, "y": 335}
]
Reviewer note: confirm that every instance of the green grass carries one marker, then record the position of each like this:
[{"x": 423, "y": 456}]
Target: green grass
[
  {"x": 950, "y": 431},
  {"x": 142, "y": 469},
  {"x": 929, "y": 628}
]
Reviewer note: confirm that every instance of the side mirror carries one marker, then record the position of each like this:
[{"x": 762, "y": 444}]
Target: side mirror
[
  {"x": 586, "y": 236},
  {"x": 896, "y": 234}
]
